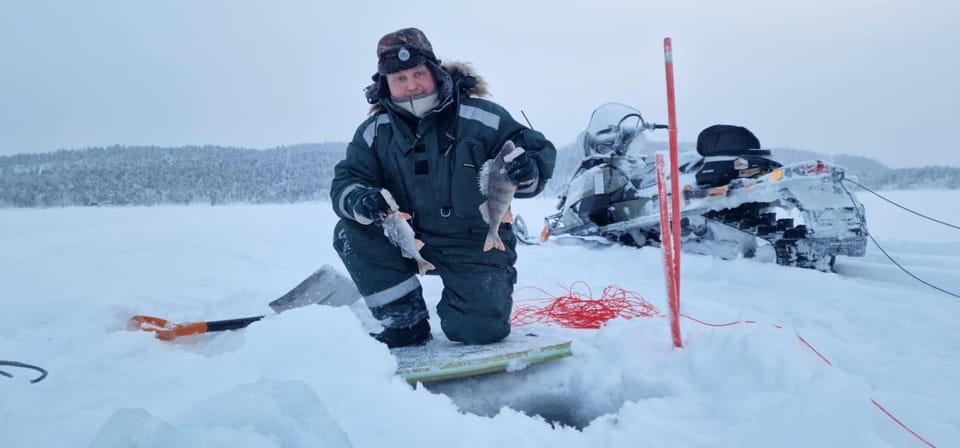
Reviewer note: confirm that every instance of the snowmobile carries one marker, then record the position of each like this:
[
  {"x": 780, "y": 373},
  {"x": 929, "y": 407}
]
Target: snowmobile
[{"x": 736, "y": 200}]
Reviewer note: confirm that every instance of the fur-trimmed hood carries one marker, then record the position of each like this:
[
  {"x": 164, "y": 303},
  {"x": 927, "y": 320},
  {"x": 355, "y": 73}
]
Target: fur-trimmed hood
[
  {"x": 457, "y": 69},
  {"x": 447, "y": 75}
]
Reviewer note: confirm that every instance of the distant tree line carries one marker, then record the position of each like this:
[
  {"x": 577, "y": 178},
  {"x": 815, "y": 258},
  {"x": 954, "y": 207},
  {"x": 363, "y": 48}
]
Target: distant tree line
[
  {"x": 147, "y": 175},
  {"x": 926, "y": 178},
  {"x": 139, "y": 175}
]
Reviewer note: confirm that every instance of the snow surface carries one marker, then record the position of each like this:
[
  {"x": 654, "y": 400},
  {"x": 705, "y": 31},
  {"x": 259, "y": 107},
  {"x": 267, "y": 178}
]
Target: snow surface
[{"x": 311, "y": 377}]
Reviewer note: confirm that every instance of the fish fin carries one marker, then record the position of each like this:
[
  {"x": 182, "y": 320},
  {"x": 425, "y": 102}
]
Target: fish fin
[
  {"x": 404, "y": 216},
  {"x": 426, "y": 266},
  {"x": 419, "y": 244},
  {"x": 484, "y": 213},
  {"x": 508, "y": 217},
  {"x": 483, "y": 177}
]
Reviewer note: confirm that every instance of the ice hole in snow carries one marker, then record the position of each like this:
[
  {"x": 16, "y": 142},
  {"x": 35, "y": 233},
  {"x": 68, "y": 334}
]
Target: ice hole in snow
[{"x": 558, "y": 395}]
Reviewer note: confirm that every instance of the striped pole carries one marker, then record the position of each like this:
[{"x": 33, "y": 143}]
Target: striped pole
[{"x": 675, "y": 196}]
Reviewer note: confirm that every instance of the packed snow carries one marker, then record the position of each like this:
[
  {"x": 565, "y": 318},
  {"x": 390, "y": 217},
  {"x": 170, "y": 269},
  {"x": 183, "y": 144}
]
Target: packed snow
[{"x": 71, "y": 278}]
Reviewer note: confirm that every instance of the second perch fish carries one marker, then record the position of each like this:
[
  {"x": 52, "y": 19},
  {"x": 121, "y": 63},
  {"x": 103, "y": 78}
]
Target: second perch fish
[
  {"x": 399, "y": 232},
  {"x": 499, "y": 190}
]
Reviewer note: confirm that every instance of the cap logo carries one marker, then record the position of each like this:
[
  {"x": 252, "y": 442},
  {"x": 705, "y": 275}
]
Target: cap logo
[{"x": 403, "y": 55}]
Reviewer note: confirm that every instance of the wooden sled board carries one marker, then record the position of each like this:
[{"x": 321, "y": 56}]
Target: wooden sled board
[{"x": 444, "y": 360}]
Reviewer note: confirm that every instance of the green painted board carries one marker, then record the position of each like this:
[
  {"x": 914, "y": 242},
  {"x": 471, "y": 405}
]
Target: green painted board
[{"x": 444, "y": 360}]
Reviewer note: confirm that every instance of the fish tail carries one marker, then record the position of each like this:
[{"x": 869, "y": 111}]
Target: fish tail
[{"x": 493, "y": 241}]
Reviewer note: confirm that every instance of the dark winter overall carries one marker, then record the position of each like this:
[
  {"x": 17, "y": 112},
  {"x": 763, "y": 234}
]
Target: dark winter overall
[{"x": 430, "y": 166}]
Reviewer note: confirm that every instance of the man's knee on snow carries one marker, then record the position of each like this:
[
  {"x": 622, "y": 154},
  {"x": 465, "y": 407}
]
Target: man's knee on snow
[{"x": 472, "y": 330}]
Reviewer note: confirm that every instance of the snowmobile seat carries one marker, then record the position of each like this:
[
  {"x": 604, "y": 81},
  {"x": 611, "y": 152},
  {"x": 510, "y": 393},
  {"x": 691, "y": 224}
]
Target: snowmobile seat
[
  {"x": 731, "y": 152},
  {"x": 729, "y": 140}
]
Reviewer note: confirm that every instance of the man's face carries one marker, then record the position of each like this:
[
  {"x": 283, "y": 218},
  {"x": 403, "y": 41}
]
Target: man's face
[{"x": 411, "y": 82}]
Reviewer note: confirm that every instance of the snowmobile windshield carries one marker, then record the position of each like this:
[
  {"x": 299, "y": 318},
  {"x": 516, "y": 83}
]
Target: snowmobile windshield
[
  {"x": 607, "y": 117},
  {"x": 612, "y": 128}
]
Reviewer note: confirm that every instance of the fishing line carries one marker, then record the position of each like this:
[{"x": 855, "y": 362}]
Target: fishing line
[
  {"x": 882, "y": 250},
  {"x": 898, "y": 205}
]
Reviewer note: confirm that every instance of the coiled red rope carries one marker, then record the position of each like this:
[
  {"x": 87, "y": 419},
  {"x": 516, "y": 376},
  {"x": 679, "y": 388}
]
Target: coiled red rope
[{"x": 578, "y": 310}]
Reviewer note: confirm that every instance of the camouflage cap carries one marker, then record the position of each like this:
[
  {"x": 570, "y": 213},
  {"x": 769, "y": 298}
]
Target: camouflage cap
[{"x": 403, "y": 49}]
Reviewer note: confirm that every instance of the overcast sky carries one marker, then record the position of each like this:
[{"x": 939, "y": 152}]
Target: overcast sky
[{"x": 877, "y": 78}]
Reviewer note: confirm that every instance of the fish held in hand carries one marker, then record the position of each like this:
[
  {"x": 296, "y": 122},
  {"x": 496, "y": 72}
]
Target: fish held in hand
[
  {"x": 499, "y": 191},
  {"x": 398, "y": 231}
]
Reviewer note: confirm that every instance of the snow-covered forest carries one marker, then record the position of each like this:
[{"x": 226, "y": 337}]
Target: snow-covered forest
[
  {"x": 154, "y": 175},
  {"x": 149, "y": 175}
]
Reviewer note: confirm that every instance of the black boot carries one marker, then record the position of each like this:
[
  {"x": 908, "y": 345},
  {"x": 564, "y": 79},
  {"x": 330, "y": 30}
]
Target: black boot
[{"x": 418, "y": 334}]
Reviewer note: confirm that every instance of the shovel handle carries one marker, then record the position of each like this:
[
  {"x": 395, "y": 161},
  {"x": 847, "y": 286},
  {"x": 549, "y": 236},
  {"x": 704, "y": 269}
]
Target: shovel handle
[
  {"x": 168, "y": 331},
  {"x": 325, "y": 286}
]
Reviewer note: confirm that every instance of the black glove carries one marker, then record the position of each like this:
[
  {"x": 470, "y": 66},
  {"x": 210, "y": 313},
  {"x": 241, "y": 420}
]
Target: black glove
[
  {"x": 368, "y": 205},
  {"x": 522, "y": 169}
]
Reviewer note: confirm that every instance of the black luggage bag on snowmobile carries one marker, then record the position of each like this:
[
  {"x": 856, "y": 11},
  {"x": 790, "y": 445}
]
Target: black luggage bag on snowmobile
[{"x": 731, "y": 152}]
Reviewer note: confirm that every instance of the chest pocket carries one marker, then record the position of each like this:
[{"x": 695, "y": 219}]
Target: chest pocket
[{"x": 469, "y": 157}]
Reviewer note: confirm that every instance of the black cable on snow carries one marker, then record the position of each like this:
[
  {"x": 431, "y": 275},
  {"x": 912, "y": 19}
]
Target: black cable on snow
[
  {"x": 875, "y": 243},
  {"x": 43, "y": 373},
  {"x": 898, "y": 205},
  {"x": 910, "y": 273}
]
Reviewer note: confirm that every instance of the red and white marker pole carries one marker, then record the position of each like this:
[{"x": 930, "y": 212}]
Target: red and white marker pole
[{"x": 670, "y": 222}]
